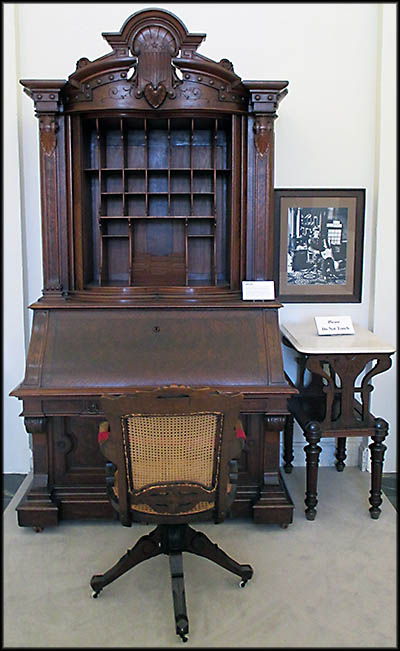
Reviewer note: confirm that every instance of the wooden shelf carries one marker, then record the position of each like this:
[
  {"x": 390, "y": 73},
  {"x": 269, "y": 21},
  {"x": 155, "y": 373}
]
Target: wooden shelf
[
  {"x": 146, "y": 171},
  {"x": 208, "y": 235},
  {"x": 116, "y": 236},
  {"x": 156, "y": 217},
  {"x": 172, "y": 193},
  {"x": 156, "y": 169}
]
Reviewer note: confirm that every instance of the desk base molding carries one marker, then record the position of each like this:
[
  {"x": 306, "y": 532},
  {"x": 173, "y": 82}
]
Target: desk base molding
[{"x": 41, "y": 507}]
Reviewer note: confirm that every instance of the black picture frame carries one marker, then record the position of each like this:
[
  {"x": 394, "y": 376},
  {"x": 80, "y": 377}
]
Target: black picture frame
[{"x": 319, "y": 241}]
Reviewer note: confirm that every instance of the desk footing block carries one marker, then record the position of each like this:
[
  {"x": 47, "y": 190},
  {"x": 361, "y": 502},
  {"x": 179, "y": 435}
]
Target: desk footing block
[
  {"x": 37, "y": 510},
  {"x": 274, "y": 505},
  {"x": 46, "y": 507}
]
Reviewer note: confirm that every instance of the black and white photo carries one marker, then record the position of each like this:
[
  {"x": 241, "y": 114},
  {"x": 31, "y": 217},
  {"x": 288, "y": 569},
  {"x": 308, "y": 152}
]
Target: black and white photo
[{"x": 319, "y": 237}]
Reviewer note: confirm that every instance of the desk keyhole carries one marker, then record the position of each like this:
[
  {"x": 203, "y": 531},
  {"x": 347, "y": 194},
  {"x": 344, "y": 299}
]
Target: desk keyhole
[{"x": 156, "y": 329}]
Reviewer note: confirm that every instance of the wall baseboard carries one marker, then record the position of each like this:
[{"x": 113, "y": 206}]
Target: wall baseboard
[{"x": 327, "y": 456}]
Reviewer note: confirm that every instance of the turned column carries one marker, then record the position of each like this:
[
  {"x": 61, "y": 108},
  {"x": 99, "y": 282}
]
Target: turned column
[
  {"x": 377, "y": 448},
  {"x": 312, "y": 433},
  {"x": 288, "y": 444}
]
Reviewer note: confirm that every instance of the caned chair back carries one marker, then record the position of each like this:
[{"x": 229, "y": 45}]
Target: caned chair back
[{"x": 172, "y": 448}]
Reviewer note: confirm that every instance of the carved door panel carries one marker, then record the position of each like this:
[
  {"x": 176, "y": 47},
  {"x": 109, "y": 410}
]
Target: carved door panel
[{"x": 76, "y": 456}]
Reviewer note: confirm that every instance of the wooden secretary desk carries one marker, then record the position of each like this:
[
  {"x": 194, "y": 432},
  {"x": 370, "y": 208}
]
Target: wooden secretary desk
[{"x": 157, "y": 201}]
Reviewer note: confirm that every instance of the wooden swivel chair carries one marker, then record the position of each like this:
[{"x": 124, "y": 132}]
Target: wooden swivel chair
[{"x": 173, "y": 454}]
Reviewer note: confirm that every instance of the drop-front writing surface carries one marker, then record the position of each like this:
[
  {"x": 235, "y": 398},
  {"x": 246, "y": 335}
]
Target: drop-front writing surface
[
  {"x": 118, "y": 349},
  {"x": 157, "y": 202}
]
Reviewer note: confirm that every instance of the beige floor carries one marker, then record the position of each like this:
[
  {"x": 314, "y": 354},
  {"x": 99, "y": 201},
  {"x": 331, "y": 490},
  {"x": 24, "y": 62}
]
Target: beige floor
[{"x": 327, "y": 583}]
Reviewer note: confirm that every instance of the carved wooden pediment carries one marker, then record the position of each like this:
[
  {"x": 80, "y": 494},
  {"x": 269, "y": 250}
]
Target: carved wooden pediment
[
  {"x": 153, "y": 38},
  {"x": 154, "y": 62}
]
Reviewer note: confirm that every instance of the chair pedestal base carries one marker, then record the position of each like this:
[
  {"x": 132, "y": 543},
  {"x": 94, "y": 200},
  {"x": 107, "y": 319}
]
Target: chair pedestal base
[{"x": 172, "y": 540}]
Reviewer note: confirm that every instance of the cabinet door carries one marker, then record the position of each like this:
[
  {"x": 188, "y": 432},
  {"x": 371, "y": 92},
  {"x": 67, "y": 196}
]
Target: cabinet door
[{"x": 77, "y": 459}]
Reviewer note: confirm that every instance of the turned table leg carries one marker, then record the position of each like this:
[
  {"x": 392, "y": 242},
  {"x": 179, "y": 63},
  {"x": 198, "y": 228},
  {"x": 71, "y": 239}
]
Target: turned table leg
[
  {"x": 377, "y": 448},
  {"x": 312, "y": 434},
  {"x": 288, "y": 444},
  {"x": 340, "y": 453}
]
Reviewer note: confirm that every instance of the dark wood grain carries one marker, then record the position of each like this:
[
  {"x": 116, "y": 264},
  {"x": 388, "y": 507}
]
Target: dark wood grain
[{"x": 156, "y": 183}]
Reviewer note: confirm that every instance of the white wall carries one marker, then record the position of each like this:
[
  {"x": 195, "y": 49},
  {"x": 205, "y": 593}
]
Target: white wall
[
  {"x": 328, "y": 134},
  {"x": 384, "y": 298},
  {"x": 16, "y": 448}
]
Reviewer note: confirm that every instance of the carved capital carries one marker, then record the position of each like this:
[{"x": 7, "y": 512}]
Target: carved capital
[
  {"x": 266, "y": 95},
  {"x": 45, "y": 94},
  {"x": 35, "y": 425},
  {"x": 48, "y": 133},
  {"x": 263, "y": 129}
]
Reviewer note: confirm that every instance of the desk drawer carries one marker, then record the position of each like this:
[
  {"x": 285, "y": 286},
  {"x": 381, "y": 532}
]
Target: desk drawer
[
  {"x": 61, "y": 407},
  {"x": 34, "y": 407},
  {"x": 273, "y": 405}
]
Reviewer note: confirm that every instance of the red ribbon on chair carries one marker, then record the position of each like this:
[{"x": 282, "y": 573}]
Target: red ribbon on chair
[
  {"x": 103, "y": 436},
  {"x": 240, "y": 433}
]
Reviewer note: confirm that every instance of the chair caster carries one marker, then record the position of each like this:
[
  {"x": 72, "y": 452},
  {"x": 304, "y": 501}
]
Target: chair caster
[
  {"x": 182, "y": 628},
  {"x": 96, "y": 584},
  {"x": 247, "y": 573}
]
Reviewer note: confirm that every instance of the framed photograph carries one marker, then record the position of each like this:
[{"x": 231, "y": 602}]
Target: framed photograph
[{"x": 319, "y": 245}]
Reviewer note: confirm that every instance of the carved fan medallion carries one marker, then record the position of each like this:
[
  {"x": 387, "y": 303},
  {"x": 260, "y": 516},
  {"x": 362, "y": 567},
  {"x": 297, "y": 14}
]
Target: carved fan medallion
[{"x": 155, "y": 76}]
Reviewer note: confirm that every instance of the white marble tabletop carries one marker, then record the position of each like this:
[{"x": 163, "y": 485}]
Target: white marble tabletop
[{"x": 304, "y": 337}]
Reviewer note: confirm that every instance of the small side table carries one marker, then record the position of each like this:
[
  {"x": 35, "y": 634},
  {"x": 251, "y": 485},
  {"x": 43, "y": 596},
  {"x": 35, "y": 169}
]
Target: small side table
[{"x": 331, "y": 405}]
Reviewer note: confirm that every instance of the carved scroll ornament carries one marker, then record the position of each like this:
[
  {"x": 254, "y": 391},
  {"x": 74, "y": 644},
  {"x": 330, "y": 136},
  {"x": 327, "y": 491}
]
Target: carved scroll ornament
[
  {"x": 35, "y": 425},
  {"x": 48, "y": 130},
  {"x": 263, "y": 127}
]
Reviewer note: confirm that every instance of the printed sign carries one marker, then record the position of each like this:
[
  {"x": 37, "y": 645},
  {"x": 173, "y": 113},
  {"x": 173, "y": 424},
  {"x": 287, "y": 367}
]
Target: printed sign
[
  {"x": 258, "y": 290},
  {"x": 334, "y": 325}
]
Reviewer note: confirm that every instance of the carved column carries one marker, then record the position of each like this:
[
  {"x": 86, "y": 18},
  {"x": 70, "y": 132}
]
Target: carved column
[
  {"x": 37, "y": 508},
  {"x": 46, "y": 97},
  {"x": 265, "y": 97},
  {"x": 273, "y": 503}
]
